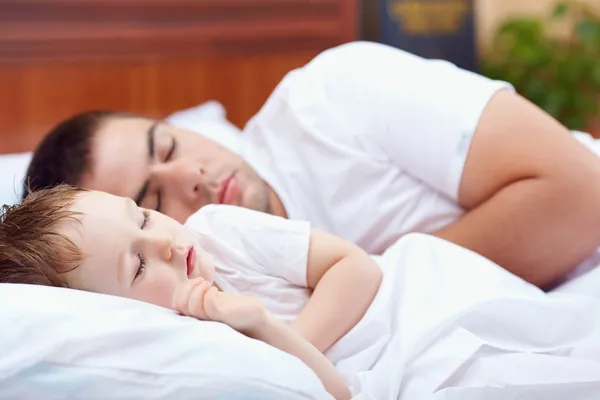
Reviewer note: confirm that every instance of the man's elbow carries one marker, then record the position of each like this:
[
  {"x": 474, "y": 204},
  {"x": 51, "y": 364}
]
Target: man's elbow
[
  {"x": 576, "y": 213},
  {"x": 579, "y": 190}
]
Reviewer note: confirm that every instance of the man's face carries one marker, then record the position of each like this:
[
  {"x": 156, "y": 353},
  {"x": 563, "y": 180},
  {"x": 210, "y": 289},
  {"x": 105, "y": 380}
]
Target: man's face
[{"x": 170, "y": 170}]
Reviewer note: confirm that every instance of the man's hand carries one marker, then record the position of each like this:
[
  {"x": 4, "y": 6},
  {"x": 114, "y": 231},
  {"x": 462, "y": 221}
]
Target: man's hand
[{"x": 199, "y": 299}]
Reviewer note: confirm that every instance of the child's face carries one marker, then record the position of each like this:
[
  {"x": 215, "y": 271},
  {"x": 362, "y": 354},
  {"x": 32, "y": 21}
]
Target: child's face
[{"x": 132, "y": 252}]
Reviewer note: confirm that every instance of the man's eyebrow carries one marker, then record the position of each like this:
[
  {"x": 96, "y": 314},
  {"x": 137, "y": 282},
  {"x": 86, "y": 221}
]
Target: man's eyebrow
[
  {"x": 151, "y": 135},
  {"x": 151, "y": 139}
]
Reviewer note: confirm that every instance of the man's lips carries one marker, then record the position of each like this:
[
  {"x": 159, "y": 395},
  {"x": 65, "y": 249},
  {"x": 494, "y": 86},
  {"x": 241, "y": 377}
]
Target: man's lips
[
  {"x": 229, "y": 190},
  {"x": 191, "y": 261}
]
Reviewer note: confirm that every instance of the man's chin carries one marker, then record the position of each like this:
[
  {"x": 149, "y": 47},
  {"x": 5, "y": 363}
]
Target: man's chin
[{"x": 256, "y": 201}]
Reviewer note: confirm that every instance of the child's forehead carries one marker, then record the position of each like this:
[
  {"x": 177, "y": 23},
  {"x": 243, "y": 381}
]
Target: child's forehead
[
  {"x": 91, "y": 202},
  {"x": 97, "y": 216},
  {"x": 94, "y": 214}
]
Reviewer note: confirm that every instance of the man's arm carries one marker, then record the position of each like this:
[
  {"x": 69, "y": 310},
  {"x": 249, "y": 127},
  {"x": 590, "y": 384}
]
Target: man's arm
[
  {"x": 532, "y": 191},
  {"x": 345, "y": 281}
]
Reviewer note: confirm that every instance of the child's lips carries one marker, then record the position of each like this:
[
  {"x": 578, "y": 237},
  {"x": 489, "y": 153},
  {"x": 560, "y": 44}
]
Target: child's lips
[{"x": 191, "y": 261}]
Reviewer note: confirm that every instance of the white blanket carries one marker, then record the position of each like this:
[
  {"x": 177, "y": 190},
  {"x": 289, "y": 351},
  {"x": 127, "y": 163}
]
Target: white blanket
[
  {"x": 586, "y": 284},
  {"x": 461, "y": 327}
]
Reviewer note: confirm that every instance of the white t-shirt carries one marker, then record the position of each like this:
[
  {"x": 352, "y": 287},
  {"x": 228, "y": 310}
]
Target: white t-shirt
[
  {"x": 265, "y": 257},
  {"x": 428, "y": 329},
  {"x": 369, "y": 142},
  {"x": 257, "y": 254}
]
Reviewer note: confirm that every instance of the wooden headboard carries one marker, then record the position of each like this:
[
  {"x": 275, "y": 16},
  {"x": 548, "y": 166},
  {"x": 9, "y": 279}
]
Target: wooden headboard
[{"x": 152, "y": 57}]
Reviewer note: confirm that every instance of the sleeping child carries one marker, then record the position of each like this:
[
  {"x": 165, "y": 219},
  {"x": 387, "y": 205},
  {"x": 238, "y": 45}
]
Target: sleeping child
[
  {"x": 427, "y": 319},
  {"x": 269, "y": 278}
]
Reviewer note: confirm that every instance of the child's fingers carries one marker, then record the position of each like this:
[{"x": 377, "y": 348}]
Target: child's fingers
[
  {"x": 182, "y": 295},
  {"x": 196, "y": 301}
]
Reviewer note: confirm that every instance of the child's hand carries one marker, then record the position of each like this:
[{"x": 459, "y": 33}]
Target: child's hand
[{"x": 197, "y": 298}]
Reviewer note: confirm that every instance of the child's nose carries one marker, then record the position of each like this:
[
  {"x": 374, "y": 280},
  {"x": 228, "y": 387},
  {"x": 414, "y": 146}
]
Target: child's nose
[
  {"x": 163, "y": 245},
  {"x": 168, "y": 253}
]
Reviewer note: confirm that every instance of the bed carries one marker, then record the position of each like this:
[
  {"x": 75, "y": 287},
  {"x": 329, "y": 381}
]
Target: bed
[
  {"x": 447, "y": 320},
  {"x": 61, "y": 343}
]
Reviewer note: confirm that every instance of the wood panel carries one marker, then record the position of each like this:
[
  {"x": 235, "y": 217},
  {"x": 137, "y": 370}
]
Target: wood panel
[
  {"x": 36, "y": 97},
  {"x": 152, "y": 57},
  {"x": 66, "y": 29}
]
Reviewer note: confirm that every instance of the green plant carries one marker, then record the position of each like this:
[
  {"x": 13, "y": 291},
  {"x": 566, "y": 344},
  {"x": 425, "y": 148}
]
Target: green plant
[{"x": 559, "y": 74}]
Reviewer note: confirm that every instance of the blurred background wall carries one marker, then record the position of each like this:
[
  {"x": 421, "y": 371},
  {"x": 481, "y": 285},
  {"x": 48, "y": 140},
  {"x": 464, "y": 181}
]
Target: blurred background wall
[
  {"x": 153, "y": 57},
  {"x": 548, "y": 49},
  {"x": 491, "y": 13}
]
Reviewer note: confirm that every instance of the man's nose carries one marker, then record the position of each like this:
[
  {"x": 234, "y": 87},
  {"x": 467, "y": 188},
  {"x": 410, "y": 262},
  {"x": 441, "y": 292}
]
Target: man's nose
[{"x": 183, "y": 180}]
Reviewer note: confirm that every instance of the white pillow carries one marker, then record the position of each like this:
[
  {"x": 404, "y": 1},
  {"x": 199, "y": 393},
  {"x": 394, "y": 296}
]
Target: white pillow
[
  {"x": 210, "y": 120},
  {"x": 67, "y": 344},
  {"x": 12, "y": 172}
]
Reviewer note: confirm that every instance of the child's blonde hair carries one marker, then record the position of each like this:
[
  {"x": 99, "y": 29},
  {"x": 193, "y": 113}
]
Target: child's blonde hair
[{"x": 32, "y": 250}]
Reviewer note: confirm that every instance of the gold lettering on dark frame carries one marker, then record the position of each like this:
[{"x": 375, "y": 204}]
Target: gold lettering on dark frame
[{"x": 429, "y": 17}]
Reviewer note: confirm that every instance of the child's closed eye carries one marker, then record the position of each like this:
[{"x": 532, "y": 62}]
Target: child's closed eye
[{"x": 141, "y": 268}]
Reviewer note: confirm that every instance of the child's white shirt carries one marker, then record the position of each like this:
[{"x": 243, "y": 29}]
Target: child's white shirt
[
  {"x": 265, "y": 256},
  {"x": 257, "y": 254}
]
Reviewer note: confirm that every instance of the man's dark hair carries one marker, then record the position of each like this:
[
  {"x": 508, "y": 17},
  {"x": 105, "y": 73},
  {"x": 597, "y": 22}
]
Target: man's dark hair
[{"x": 64, "y": 155}]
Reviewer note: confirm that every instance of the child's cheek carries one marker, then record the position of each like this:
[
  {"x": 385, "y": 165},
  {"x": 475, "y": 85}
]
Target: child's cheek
[
  {"x": 158, "y": 291},
  {"x": 207, "y": 266}
]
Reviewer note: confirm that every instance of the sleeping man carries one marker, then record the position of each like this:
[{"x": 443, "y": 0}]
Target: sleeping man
[
  {"x": 421, "y": 330},
  {"x": 369, "y": 143}
]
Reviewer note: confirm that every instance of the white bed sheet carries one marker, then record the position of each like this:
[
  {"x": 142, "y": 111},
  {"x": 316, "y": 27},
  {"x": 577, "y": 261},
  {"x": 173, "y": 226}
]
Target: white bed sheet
[
  {"x": 462, "y": 328},
  {"x": 587, "y": 284}
]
